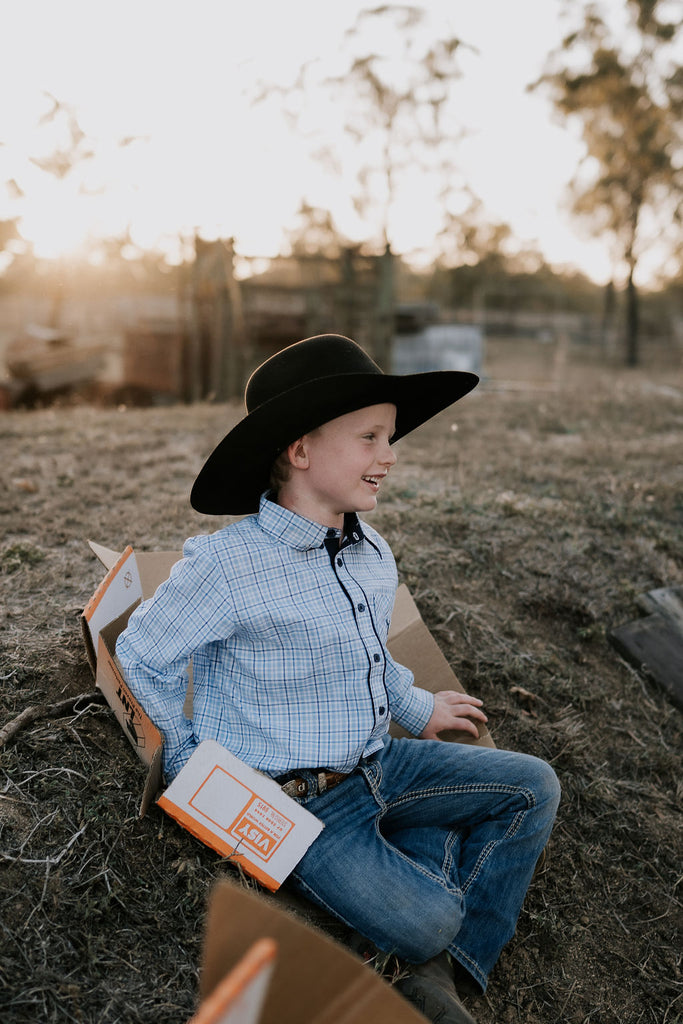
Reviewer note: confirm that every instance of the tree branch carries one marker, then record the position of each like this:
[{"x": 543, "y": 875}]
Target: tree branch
[{"x": 36, "y": 711}]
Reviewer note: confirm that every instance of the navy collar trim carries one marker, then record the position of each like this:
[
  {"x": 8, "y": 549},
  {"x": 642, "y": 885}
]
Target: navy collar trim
[{"x": 300, "y": 533}]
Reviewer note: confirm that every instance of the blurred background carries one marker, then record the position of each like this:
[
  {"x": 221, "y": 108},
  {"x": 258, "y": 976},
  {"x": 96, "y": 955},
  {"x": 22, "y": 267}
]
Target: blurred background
[{"x": 187, "y": 187}]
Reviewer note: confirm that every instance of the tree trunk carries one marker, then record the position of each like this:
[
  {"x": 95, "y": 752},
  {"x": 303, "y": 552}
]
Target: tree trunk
[
  {"x": 384, "y": 317},
  {"x": 608, "y": 315},
  {"x": 235, "y": 328},
  {"x": 194, "y": 334},
  {"x": 347, "y": 292},
  {"x": 632, "y": 320}
]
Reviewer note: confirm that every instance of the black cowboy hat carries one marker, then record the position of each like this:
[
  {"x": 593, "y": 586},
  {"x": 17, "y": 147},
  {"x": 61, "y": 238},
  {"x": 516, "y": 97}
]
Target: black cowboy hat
[{"x": 298, "y": 389}]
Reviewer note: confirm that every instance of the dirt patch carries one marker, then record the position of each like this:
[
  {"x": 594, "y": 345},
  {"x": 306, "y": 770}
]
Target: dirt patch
[{"x": 526, "y": 520}]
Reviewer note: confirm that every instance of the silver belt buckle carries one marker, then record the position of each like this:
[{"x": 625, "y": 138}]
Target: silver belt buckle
[{"x": 322, "y": 782}]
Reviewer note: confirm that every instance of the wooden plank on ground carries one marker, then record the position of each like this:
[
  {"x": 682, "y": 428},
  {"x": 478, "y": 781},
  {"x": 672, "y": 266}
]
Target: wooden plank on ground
[
  {"x": 667, "y": 600},
  {"x": 654, "y": 645}
]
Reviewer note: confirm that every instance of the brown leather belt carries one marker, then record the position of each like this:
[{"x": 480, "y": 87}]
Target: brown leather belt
[{"x": 299, "y": 786}]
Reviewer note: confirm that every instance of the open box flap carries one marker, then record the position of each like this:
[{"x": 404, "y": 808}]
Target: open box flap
[
  {"x": 107, "y": 556},
  {"x": 153, "y": 567},
  {"x": 332, "y": 986},
  {"x": 241, "y": 813},
  {"x": 119, "y": 589},
  {"x": 239, "y": 997}
]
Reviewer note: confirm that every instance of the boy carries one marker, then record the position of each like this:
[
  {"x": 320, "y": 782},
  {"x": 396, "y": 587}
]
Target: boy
[{"x": 428, "y": 847}]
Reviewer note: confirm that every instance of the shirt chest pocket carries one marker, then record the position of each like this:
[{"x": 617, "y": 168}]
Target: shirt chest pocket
[{"x": 299, "y": 628}]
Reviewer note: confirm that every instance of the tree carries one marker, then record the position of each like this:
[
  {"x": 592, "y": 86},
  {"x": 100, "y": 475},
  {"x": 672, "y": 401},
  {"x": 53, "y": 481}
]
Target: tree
[
  {"x": 70, "y": 160},
  {"x": 627, "y": 97},
  {"x": 396, "y": 110},
  {"x": 392, "y": 98},
  {"x": 314, "y": 233}
]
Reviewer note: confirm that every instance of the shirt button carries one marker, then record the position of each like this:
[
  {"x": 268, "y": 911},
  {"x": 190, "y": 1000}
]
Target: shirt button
[
  {"x": 376, "y": 657},
  {"x": 361, "y": 607},
  {"x": 381, "y": 711},
  {"x": 339, "y": 561}
]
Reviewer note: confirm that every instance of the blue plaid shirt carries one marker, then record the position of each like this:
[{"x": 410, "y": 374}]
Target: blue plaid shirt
[{"x": 287, "y": 635}]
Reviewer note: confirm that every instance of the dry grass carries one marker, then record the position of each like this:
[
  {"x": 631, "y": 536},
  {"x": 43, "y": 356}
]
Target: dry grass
[{"x": 525, "y": 534}]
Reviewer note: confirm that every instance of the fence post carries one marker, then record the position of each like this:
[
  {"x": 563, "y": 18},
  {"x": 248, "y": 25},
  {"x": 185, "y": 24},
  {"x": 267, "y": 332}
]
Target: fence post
[{"x": 384, "y": 309}]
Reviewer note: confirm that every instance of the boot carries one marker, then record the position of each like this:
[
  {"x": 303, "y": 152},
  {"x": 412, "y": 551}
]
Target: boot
[{"x": 431, "y": 990}]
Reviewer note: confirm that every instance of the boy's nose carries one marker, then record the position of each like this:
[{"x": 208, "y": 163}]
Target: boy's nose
[{"x": 389, "y": 456}]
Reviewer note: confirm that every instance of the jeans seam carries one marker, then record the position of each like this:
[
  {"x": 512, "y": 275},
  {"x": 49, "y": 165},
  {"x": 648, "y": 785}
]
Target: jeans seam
[
  {"x": 512, "y": 829},
  {"x": 487, "y": 787},
  {"x": 372, "y": 773},
  {"x": 451, "y": 890},
  {"x": 514, "y": 826},
  {"x": 448, "y": 854},
  {"x": 468, "y": 963},
  {"x": 384, "y": 807}
]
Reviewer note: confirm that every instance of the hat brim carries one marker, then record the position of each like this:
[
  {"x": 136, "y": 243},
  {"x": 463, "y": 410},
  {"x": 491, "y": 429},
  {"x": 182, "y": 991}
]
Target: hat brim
[{"x": 237, "y": 471}]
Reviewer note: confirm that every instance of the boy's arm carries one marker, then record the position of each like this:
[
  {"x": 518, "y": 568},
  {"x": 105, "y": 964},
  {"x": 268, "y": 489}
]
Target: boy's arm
[
  {"x": 410, "y": 706},
  {"x": 192, "y": 608},
  {"x": 427, "y": 714}
]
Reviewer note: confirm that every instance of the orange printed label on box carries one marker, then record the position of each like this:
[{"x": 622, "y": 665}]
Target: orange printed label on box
[
  {"x": 241, "y": 813},
  {"x": 259, "y": 827}
]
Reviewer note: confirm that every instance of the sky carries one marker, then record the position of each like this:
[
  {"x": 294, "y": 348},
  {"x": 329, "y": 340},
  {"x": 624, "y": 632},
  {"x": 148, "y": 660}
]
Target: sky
[{"x": 177, "y": 78}]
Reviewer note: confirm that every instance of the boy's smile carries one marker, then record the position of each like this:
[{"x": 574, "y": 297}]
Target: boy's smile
[{"x": 340, "y": 466}]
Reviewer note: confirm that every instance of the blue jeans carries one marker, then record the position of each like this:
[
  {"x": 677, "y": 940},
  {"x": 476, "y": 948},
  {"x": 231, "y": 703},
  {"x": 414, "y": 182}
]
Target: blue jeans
[{"x": 430, "y": 846}]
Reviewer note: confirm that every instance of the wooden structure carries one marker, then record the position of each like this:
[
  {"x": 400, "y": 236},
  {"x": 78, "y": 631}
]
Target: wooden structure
[
  {"x": 44, "y": 361},
  {"x": 155, "y": 362},
  {"x": 654, "y": 643},
  {"x": 226, "y": 326},
  {"x": 307, "y": 294},
  {"x": 216, "y": 342}
]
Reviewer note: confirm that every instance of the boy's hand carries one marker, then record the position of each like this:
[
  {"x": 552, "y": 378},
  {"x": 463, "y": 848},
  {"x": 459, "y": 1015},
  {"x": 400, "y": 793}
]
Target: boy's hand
[{"x": 453, "y": 710}]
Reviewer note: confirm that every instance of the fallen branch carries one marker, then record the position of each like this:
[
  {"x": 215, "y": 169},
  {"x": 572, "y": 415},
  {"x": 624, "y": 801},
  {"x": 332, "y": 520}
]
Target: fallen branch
[
  {"x": 37, "y": 711},
  {"x": 49, "y": 862}
]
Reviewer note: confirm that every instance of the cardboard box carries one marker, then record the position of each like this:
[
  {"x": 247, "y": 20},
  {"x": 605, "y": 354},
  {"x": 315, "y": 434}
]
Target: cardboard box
[
  {"x": 240, "y": 813},
  {"x": 239, "y": 997},
  {"x": 134, "y": 576},
  {"x": 129, "y": 579},
  {"x": 314, "y": 979}
]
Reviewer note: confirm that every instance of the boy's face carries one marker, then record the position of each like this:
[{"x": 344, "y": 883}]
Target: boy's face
[{"x": 342, "y": 465}]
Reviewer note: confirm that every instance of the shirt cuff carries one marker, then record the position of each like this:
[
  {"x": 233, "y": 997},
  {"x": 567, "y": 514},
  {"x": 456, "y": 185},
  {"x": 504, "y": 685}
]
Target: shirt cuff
[{"x": 416, "y": 711}]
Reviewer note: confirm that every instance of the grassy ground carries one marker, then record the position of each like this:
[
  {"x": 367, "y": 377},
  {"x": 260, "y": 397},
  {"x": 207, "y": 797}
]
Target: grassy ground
[{"x": 526, "y": 521}]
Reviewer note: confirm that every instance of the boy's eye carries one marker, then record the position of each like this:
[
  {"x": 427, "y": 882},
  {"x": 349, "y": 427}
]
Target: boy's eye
[{"x": 369, "y": 437}]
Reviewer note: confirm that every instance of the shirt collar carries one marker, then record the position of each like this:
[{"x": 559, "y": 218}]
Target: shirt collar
[{"x": 299, "y": 533}]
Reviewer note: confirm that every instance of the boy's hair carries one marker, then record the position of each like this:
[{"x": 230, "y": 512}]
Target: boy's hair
[{"x": 280, "y": 472}]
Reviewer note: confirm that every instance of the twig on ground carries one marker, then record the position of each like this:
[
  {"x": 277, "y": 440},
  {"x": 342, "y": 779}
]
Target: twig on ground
[
  {"x": 48, "y": 861},
  {"x": 36, "y": 711}
]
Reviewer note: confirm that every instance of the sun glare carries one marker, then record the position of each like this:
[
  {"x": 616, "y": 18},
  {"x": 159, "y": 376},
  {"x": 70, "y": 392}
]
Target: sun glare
[
  {"x": 155, "y": 155},
  {"x": 55, "y": 223}
]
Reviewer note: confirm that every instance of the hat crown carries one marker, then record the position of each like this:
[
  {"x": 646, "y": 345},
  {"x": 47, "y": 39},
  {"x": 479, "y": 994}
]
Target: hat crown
[{"x": 326, "y": 355}]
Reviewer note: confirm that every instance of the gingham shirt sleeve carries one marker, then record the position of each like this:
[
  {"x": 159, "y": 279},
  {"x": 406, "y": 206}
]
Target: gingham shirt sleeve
[
  {"x": 411, "y": 706},
  {"x": 191, "y": 608}
]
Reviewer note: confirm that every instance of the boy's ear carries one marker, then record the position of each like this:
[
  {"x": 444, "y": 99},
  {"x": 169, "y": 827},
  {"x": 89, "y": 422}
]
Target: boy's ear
[{"x": 297, "y": 453}]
